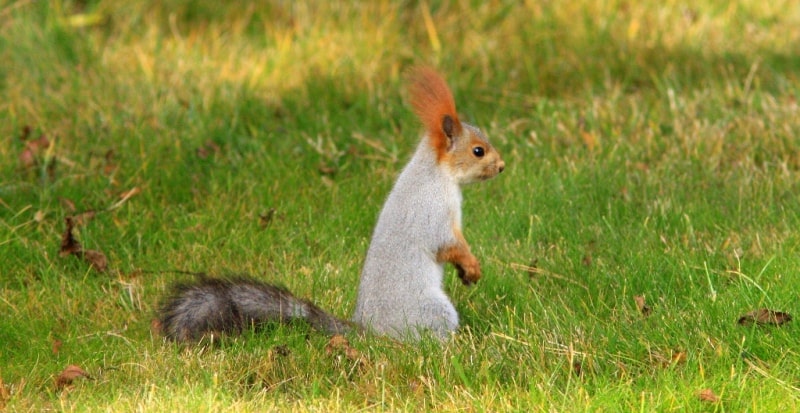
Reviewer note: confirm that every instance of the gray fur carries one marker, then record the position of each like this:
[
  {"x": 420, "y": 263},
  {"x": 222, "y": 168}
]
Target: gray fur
[
  {"x": 401, "y": 293},
  {"x": 212, "y": 305}
]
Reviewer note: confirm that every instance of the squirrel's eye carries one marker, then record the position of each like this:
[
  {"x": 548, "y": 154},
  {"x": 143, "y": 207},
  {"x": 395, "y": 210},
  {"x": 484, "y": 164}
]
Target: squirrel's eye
[{"x": 478, "y": 151}]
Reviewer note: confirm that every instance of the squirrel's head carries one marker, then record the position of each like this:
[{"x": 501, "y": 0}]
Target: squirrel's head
[{"x": 462, "y": 148}]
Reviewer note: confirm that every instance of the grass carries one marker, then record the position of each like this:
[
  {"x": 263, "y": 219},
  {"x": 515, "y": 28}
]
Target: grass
[{"x": 652, "y": 150}]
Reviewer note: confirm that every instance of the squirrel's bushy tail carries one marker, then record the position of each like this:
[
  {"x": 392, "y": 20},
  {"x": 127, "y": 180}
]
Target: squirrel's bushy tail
[{"x": 214, "y": 305}]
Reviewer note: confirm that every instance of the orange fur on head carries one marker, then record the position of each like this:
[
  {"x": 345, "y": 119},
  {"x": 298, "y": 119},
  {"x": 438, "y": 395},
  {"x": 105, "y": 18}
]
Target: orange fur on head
[{"x": 432, "y": 101}]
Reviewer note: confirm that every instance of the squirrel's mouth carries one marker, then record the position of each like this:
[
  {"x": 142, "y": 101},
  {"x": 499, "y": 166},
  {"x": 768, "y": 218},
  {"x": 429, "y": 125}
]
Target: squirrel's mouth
[{"x": 489, "y": 174}]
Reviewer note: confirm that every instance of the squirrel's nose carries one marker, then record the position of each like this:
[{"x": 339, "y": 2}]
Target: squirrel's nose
[{"x": 501, "y": 167}]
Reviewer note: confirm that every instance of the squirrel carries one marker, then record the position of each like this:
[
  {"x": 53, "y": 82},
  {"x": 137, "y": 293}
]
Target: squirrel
[{"x": 401, "y": 292}]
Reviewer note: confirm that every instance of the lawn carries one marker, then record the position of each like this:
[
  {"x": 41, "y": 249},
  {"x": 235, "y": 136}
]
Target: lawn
[{"x": 650, "y": 202}]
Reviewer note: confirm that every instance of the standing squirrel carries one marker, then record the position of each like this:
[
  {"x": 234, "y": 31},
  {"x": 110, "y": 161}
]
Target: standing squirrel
[{"x": 419, "y": 229}]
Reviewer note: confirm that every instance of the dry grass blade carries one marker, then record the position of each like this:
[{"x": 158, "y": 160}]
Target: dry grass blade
[
  {"x": 4, "y": 394},
  {"x": 534, "y": 270}
]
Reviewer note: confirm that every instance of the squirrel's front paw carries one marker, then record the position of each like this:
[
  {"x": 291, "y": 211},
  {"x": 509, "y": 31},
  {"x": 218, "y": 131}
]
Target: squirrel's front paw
[{"x": 470, "y": 271}]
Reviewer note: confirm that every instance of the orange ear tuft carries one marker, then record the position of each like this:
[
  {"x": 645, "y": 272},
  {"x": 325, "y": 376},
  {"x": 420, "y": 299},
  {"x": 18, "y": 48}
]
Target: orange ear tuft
[{"x": 433, "y": 103}]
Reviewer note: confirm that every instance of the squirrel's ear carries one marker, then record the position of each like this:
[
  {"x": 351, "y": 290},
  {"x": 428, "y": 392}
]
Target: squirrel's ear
[
  {"x": 448, "y": 126},
  {"x": 450, "y": 132}
]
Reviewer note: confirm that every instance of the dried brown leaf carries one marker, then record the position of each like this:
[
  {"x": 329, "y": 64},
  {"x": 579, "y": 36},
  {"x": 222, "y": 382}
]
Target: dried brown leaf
[
  {"x": 589, "y": 139},
  {"x": 83, "y": 217},
  {"x": 416, "y": 387},
  {"x": 352, "y": 354},
  {"x": 577, "y": 368},
  {"x": 764, "y": 316},
  {"x": 38, "y": 145},
  {"x": 282, "y": 350},
  {"x": 707, "y": 395},
  {"x": 109, "y": 169},
  {"x": 110, "y": 166},
  {"x": 69, "y": 374},
  {"x": 68, "y": 204},
  {"x": 338, "y": 343},
  {"x": 209, "y": 148},
  {"x": 26, "y": 158},
  {"x": 642, "y": 305},
  {"x": 26, "y": 132},
  {"x": 156, "y": 327},
  {"x": 33, "y": 148},
  {"x": 264, "y": 220},
  {"x": 69, "y": 245},
  {"x": 96, "y": 259},
  {"x": 327, "y": 170},
  {"x": 56, "y": 346}
]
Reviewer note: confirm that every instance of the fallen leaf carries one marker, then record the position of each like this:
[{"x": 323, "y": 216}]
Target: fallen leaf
[
  {"x": 339, "y": 343},
  {"x": 209, "y": 148},
  {"x": 68, "y": 204},
  {"x": 265, "y": 219},
  {"x": 589, "y": 140},
  {"x": 282, "y": 350},
  {"x": 155, "y": 327},
  {"x": 56, "y": 347},
  {"x": 336, "y": 342},
  {"x": 327, "y": 170},
  {"x": 69, "y": 245},
  {"x": 577, "y": 368},
  {"x": 96, "y": 259},
  {"x": 69, "y": 374},
  {"x": 765, "y": 316},
  {"x": 642, "y": 306},
  {"x": 707, "y": 395},
  {"x": 38, "y": 145},
  {"x": 26, "y": 158},
  {"x": 678, "y": 357},
  {"x": 416, "y": 387},
  {"x": 26, "y": 132},
  {"x": 33, "y": 149},
  {"x": 110, "y": 166},
  {"x": 83, "y": 217}
]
